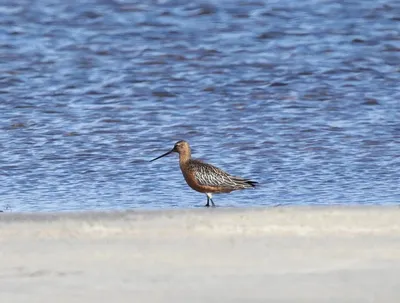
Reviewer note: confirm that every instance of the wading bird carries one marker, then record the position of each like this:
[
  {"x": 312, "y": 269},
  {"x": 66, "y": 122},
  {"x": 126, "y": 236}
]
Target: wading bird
[{"x": 203, "y": 177}]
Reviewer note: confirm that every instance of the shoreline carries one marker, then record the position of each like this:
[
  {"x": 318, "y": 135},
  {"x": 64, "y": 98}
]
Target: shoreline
[
  {"x": 111, "y": 212},
  {"x": 276, "y": 254}
]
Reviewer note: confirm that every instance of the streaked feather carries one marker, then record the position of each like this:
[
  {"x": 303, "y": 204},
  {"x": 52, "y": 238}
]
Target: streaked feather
[{"x": 209, "y": 175}]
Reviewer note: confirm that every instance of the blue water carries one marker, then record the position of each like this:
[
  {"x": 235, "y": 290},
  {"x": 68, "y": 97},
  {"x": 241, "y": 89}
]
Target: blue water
[{"x": 302, "y": 96}]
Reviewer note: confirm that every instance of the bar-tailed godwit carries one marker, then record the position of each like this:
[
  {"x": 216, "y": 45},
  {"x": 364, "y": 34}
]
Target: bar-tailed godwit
[{"x": 204, "y": 177}]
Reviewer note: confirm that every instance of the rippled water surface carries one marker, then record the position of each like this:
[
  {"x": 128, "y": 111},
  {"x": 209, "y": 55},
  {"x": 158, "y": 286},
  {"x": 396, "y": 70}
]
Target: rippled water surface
[{"x": 302, "y": 96}]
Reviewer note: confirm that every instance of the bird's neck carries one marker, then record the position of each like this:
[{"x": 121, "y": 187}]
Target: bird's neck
[{"x": 184, "y": 157}]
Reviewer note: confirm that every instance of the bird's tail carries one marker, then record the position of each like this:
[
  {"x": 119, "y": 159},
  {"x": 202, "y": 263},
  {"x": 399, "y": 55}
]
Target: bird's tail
[
  {"x": 245, "y": 183},
  {"x": 252, "y": 183}
]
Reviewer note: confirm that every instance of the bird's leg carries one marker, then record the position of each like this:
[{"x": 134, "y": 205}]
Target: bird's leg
[
  {"x": 212, "y": 202},
  {"x": 209, "y": 198},
  {"x": 208, "y": 202}
]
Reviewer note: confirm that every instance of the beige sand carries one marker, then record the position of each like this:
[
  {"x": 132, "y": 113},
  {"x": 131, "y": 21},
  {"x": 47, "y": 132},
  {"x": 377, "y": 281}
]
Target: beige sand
[{"x": 296, "y": 254}]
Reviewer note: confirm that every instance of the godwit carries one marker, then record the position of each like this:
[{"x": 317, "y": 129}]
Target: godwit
[{"x": 204, "y": 177}]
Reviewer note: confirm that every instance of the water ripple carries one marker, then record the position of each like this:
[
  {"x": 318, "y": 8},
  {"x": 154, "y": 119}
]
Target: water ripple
[{"x": 301, "y": 96}]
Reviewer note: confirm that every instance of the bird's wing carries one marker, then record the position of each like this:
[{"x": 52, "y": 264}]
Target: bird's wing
[{"x": 209, "y": 175}]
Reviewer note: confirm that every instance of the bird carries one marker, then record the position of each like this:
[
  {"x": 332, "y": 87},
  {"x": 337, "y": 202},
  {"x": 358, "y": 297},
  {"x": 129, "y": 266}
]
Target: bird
[{"x": 203, "y": 177}]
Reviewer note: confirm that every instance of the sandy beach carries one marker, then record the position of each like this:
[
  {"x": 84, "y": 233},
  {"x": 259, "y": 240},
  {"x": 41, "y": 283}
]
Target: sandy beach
[{"x": 288, "y": 254}]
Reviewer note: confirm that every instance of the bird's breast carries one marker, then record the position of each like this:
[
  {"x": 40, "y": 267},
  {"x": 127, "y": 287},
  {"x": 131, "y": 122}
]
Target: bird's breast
[{"x": 190, "y": 178}]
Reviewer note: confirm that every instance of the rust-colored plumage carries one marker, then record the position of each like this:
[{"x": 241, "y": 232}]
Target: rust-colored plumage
[{"x": 204, "y": 177}]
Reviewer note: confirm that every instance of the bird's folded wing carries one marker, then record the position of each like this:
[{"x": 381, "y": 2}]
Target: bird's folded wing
[{"x": 209, "y": 175}]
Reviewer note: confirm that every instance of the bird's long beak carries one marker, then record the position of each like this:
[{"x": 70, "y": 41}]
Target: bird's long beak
[{"x": 166, "y": 154}]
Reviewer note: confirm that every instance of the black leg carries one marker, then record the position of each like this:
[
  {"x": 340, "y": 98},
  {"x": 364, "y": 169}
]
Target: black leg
[
  {"x": 212, "y": 202},
  {"x": 208, "y": 202}
]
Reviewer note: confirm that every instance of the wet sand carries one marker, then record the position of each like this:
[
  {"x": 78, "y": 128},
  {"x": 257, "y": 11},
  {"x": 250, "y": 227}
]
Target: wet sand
[{"x": 289, "y": 254}]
